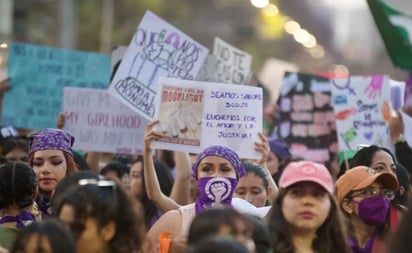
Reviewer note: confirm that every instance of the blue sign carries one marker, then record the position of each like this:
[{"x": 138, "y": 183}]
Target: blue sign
[{"x": 38, "y": 75}]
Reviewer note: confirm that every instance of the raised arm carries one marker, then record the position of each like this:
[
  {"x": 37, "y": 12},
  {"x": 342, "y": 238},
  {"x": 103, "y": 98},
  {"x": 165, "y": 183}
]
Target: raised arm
[
  {"x": 152, "y": 187},
  {"x": 264, "y": 149},
  {"x": 181, "y": 187}
]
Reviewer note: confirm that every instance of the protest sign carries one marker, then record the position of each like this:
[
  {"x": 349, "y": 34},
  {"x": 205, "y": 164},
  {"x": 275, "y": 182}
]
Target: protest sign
[
  {"x": 157, "y": 49},
  {"x": 362, "y": 107},
  {"x": 101, "y": 123},
  {"x": 306, "y": 119},
  {"x": 207, "y": 72},
  {"x": 232, "y": 64},
  {"x": 38, "y": 75},
  {"x": 194, "y": 115}
]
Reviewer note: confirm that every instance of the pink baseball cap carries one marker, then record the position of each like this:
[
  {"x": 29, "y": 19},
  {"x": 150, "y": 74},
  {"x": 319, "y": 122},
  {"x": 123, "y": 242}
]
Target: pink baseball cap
[{"x": 306, "y": 171}]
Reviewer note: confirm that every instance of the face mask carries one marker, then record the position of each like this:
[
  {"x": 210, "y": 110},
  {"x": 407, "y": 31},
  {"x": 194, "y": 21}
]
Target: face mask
[
  {"x": 214, "y": 191},
  {"x": 373, "y": 211}
]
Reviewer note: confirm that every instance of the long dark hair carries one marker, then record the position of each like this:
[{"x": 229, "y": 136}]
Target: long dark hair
[
  {"x": 331, "y": 235},
  {"x": 166, "y": 180},
  {"x": 107, "y": 204}
]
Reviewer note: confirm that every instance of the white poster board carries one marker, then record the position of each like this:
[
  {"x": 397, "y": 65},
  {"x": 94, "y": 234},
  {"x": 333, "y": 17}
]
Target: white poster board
[
  {"x": 101, "y": 123},
  {"x": 232, "y": 64},
  {"x": 117, "y": 55},
  {"x": 194, "y": 115},
  {"x": 157, "y": 49},
  {"x": 362, "y": 107}
]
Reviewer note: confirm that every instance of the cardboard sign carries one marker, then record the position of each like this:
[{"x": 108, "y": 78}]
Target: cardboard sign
[
  {"x": 362, "y": 107},
  {"x": 306, "y": 118},
  {"x": 101, "y": 123},
  {"x": 232, "y": 64},
  {"x": 157, "y": 49},
  {"x": 194, "y": 115},
  {"x": 38, "y": 76}
]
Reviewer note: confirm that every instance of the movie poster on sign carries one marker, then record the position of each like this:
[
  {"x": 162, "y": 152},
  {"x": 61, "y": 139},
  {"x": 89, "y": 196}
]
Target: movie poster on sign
[
  {"x": 362, "y": 109},
  {"x": 306, "y": 118},
  {"x": 38, "y": 75},
  {"x": 194, "y": 115},
  {"x": 101, "y": 123},
  {"x": 157, "y": 50},
  {"x": 232, "y": 64}
]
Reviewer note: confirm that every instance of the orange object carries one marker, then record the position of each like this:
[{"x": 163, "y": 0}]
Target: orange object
[
  {"x": 386, "y": 111},
  {"x": 342, "y": 115},
  {"x": 164, "y": 242}
]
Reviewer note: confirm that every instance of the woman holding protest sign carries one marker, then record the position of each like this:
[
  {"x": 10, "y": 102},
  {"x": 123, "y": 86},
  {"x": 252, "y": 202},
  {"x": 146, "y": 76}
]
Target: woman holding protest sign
[{"x": 217, "y": 170}]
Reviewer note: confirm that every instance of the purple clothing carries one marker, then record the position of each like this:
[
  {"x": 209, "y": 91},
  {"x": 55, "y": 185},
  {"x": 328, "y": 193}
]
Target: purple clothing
[
  {"x": 19, "y": 218},
  {"x": 355, "y": 248}
]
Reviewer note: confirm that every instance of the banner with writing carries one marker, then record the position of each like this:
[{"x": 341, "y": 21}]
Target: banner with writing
[
  {"x": 38, "y": 75},
  {"x": 101, "y": 123},
  {"x": 232, "y": 64},
  {"x": 362, "y": 106},
  {"x": 157, "y": 49},
  {"x": 194, "y": 115},
  {"x": 306, "y": 118}
]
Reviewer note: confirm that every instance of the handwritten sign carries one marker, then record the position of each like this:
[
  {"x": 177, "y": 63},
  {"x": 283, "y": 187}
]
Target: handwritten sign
[
  {"x": 207, "y": 72},
  {"x": 38, "y": 76},
  {"x": 306, "y": 118},
  {"x": 233, "y": 65},
  {"x": 157, "y": 49},
  {"x": 101, "y": 123},
  {"x": 194, "y": 115},
  {"x": 362, "y": 107}
]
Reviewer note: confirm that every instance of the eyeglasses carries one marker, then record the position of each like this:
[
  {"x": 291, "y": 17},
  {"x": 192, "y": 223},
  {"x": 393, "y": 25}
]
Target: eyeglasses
[
  {"x": 99, "y": 183},
  {"x": 373, "y": 193}
]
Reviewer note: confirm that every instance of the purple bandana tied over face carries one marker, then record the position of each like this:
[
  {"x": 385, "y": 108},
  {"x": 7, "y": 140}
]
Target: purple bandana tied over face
[
  {"x": 214, "y": 191},
  {"x": 51, "y": 139},
  {"x": 224, "y": 152}
]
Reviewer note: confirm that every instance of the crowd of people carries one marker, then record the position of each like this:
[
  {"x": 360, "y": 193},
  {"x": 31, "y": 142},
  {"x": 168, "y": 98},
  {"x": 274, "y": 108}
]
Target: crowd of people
[{"x": 54, "y": 198}]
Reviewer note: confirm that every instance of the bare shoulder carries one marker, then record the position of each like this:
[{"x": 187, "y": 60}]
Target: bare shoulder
[{"x": 168, "y": 222}]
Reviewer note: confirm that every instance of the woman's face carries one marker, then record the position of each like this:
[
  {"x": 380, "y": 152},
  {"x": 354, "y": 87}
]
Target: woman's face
[
  {"x": 215, "y": 166},
  {"x": 306, "y": 206},
  {"x": 252, "y": 189},
  {"x": 17, "y": 155},
  {"x": 91, "y": 238},
  {"x": 136, "y": 180},
  {"x": 383, "y": 162},
  {"x": 50, "y": 167}
]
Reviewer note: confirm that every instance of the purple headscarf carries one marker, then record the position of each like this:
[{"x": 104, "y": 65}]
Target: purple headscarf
[
  {"x": 221, "y": 151},
  {"x": 279, "y": 148},
  {"x": 51, "y": 139}
]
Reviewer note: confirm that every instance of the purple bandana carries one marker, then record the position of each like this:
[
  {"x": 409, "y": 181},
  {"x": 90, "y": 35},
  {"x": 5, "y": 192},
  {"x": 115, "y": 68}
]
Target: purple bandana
[
  {"x": 51, "y": 139},
  {"x": 23, "y": 216},
  {"x": 214, "y": 191},
  {"x": 221, "y": 151}
]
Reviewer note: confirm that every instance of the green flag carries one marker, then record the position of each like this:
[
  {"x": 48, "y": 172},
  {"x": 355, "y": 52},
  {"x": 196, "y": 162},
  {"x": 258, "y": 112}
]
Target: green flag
[{"x": 396, "y": 30}]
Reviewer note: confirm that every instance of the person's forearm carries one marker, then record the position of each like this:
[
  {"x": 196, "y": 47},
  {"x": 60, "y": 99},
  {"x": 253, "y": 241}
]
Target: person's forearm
[
  {"x": 152, "y": 187},
  {"x": 181, "y": 187}
]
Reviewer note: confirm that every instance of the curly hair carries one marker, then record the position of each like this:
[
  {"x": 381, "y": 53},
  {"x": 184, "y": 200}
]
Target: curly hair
[
  {"x": 330, "y": 236},
  {"x": 107, "y": 204},
  {"x": 17, "y": 185}
]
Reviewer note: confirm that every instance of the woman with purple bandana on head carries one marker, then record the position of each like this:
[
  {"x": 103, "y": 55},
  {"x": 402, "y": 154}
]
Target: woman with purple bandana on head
[
  {"x": 51, "y": 158},
  {"x": 217, "y": 170}
]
